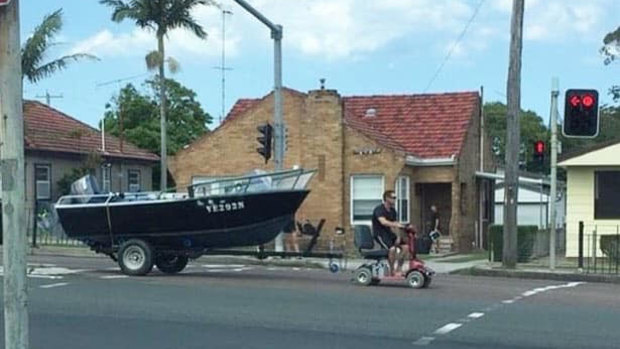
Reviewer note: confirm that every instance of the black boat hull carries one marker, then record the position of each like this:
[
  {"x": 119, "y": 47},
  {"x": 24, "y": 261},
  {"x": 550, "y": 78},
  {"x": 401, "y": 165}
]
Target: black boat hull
[{"x": 194, "y": 223}]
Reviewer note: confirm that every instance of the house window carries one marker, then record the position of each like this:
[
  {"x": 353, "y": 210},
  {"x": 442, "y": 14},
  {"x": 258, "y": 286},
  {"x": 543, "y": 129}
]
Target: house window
[
  {"x": 133, "y": 180},
  {"x": 402, "y": 201},
  {"x": 106, "y": 175},
  {"x": 43, "y": 182},
  {"x": 366, "y": 192},
  {"x": 607, "y": 194}
]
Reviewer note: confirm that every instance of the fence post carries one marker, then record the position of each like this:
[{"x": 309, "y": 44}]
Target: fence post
[
  {"x": 594, "y": 241},
  {"x": 580, "y": 263}
]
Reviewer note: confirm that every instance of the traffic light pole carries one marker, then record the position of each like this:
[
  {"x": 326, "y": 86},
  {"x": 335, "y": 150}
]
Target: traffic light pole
[
  {"x": 554, "y": 159},
  {"x": 13, "y": 185},
  {"x": 276, "y": 35}
]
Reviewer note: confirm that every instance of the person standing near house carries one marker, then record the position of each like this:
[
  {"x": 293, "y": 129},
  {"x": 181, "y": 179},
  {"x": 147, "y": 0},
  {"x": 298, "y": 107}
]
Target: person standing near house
[
  {"x": 435, "y": 233},
  {"x": 384, "y": 218},
  {"x": 290, "y": 236}
]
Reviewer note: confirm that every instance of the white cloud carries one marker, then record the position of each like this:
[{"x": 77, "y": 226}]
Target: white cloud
[
  {"x": 348, "y": 29},
  {"x": 559, "y": 20},
  {"x": 179, "y": 42}
]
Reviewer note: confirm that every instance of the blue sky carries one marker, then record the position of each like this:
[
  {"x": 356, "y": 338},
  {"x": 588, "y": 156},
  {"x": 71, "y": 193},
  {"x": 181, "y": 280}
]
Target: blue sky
[{"x": 361, "y": 47}]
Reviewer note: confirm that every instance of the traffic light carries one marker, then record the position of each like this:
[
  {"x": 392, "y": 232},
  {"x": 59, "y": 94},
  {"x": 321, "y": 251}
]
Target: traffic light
[
  {"x": 539, "y": 151},
  {"x": 581, "y": 113},
  {"x": 265, "y": 141}
]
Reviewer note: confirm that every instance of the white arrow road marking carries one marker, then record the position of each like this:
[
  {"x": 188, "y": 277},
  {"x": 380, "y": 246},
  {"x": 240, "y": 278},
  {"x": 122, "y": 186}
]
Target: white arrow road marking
[{"x": 424, "y": 341}]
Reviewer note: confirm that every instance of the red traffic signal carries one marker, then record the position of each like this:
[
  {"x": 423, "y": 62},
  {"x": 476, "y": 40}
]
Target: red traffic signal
[
  {"x": 539, "y": 147},
  {"x": 581, "y": 117}
]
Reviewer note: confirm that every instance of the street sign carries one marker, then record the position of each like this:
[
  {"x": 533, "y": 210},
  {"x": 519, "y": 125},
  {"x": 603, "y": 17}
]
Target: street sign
[{"x": 4, "y": 2}]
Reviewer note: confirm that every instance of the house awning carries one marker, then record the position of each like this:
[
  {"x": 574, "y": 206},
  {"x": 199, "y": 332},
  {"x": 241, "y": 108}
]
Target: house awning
[{"x": 416, "y": 161}]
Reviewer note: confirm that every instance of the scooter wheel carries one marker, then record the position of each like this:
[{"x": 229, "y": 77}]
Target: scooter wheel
[
  {"x": 333, "y": 267},
  {"x": 415, "y": 279},
  {"x": 363, "y": 276}
]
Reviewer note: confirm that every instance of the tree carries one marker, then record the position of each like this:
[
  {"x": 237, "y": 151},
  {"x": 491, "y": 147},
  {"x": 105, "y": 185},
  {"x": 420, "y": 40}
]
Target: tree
[
  {"x": 532, "y": 129},
  {"x": 160, "y": 16},
  {"x": 34, "y": 49},
  {"x": 186, "y": 121},
  {"x": 611, "y": 51}
]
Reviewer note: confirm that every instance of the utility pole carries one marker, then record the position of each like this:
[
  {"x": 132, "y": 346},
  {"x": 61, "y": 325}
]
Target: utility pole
[
  {"x": 509, "y": 253},
  {"x": 48, "y": 97},
  {"x": 276, "y": 35},
  {"x": 554, "y": 159},
  {"x": 13, "y": 193}
]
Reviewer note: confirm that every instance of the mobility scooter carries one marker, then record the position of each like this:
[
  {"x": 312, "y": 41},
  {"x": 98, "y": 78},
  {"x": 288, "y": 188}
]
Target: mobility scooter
[{"x": 416, "y": 276}]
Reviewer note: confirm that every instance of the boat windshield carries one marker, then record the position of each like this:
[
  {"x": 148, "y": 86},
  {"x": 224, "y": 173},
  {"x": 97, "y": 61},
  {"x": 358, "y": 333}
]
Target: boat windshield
[{"x": 257, "y": 182}]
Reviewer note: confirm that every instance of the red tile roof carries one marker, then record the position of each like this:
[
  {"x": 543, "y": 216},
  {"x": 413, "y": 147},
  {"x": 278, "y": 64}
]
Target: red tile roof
[
  {"x": 424, "y": 125},
  {"x": 48, "y": 129},
  {"x": 244, "y": 104}
]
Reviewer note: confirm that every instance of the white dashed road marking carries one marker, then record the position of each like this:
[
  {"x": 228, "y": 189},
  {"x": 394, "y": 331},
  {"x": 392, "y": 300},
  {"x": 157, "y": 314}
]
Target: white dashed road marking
[
  {"x": 448, "y": 328},
  {"x": 114, "y": 277},
  {"x": 476, "y": 315},
  {"x": 424, "y": 341},
  {"x": 54, "y": 285}
]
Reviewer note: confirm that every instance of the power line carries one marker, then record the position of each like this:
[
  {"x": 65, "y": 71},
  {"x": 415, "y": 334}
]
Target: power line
[
  {"x": 458, "y": 40},
  {"x": 120, "y": 80}
]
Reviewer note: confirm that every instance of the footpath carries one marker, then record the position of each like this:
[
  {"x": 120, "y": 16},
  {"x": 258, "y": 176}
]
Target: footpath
[{"x": 475, "y": 264}]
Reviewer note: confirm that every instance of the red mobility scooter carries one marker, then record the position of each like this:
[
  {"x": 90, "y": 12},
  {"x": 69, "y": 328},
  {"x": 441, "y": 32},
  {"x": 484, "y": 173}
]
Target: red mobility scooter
[{"x": 416, "y": 276}]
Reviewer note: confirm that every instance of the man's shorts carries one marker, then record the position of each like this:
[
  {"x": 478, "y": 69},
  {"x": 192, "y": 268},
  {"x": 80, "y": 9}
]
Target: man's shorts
[{"x": 388, "y": 239}]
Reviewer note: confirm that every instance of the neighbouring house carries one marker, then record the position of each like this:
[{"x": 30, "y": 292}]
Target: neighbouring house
[
  {"x": 533, "y": 196},
  {"x": 426, "y": 147},
  {"x": 593, "y": 194},
  {"x": 56, "y": 143}
]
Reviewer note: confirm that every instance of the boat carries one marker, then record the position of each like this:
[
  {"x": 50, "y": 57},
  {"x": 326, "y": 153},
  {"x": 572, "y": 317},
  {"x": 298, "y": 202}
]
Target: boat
[{"x": 233, "y": 212}]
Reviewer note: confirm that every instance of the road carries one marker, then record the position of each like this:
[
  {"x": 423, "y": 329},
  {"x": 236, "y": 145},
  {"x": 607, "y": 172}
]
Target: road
[{"x": 87, "y": 303}]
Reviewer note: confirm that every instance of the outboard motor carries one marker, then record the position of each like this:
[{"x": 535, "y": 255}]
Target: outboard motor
[{"x": 86, "y": 186}]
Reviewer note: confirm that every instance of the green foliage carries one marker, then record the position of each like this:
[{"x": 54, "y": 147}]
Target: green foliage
[
  {"x": 611, "y": 46},
  {"x": 526, "y": 235},
  {"x": 89, "y": 166},
  {"x": 186, "y": 120},
  {"x": 609, "y": 131},
  {"x": 610, "y": 245},
  {"x": 34, "y": 49},
  {"x": 531, "y": 127}
]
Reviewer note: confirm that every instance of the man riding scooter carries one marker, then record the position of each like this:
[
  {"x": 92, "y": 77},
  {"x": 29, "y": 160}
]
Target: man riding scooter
[{"x": 384, "y": 218}]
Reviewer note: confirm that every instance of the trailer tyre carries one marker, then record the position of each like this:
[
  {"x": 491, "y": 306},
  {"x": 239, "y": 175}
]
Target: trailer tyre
[
  {"x": 135, "y": 257},
  {"x": 171, "y": 264}
]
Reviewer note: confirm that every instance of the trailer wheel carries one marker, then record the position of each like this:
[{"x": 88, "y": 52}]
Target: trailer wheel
[
  {"x": 363, "y": 276},
  {"x": 170, "y": 263},
  {"x": 415, "y": 279},
  {"x": 135, "y": 257}
]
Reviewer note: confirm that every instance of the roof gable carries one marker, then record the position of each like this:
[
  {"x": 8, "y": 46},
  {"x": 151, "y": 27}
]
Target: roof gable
[
  {"x": 601, "y": 155},
  {"x": 48, "y": 129}
]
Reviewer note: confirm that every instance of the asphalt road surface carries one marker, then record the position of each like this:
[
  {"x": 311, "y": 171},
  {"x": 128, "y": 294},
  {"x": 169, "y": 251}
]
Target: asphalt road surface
[{"x": 87, "y": 303}]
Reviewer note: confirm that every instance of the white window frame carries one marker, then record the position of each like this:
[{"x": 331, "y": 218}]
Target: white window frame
[
  {"x": 352, "y": 195},
  {"x": 399, "y": 199},
  {"x": 135, "y": 187},
  {"x": 106, "y": 178},
  {"x": 43, "y": 194}
]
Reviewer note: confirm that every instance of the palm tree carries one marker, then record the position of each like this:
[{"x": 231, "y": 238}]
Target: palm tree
[
  {"x": 160, "y": 16},
  {"x": 33, "y": 50}
]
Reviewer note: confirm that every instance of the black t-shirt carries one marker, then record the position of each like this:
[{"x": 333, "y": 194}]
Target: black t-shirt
[
  {"x": 379, "y": 229},
  {"x": 434, "y": 219}
]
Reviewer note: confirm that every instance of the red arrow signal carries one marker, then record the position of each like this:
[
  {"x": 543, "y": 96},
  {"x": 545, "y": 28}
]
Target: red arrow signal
[{"x": 575, "y": 101}]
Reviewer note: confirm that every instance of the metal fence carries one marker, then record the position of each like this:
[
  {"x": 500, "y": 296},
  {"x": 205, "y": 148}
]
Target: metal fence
[
  {"x": 44, "y": 229},
  {"x": 599, "y": 248}
]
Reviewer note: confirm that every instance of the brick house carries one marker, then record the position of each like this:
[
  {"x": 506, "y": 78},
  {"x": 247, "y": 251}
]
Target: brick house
[
  {"x": 55, "y": 143},
  {"x": 426, "y": 147}
]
